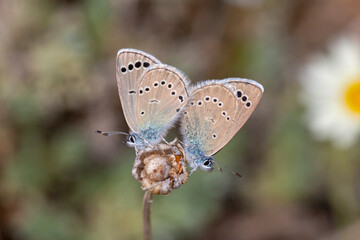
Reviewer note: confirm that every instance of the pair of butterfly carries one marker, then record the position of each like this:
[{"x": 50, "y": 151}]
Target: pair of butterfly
[{"x": 154, "y": 95}]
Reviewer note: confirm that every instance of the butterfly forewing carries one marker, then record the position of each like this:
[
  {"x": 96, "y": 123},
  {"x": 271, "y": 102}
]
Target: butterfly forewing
[
  {"x": 130, "y": 66},
  {"x": 209, "y": 116},
  {"x": 161, "y": 96},
  {"x": 248, "y": 94}
]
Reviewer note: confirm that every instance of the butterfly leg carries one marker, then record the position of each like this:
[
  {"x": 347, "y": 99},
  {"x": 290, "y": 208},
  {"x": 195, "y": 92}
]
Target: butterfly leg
[
  {"x": 162, "y": 138},
  {"x": 148, "y": 143},
  {"x": 184, "y": 144},
  {"x": 193, "y": 170}
]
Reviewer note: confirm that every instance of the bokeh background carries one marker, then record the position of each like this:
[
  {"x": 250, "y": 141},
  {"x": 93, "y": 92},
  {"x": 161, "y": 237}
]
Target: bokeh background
[{"x": 60, "y": 180}]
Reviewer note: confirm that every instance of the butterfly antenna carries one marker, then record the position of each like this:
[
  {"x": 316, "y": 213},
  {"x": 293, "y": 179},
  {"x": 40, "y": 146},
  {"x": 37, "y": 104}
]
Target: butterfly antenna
[
  {"x": 227, "y": 168},
  {"x": 110, "y": 133},
  {"x": 218, "y": 166}
]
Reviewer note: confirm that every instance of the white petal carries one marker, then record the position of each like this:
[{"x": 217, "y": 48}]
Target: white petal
[{"x": 323, "y": 82}]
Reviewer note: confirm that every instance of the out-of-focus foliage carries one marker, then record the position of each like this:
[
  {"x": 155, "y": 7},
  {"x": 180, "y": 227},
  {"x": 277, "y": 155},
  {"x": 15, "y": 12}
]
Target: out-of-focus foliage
[{"x": 60, "y": 180}]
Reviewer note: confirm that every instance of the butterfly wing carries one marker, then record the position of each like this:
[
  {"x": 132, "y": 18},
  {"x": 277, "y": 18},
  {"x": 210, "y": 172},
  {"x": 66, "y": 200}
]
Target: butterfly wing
[
  {"x": 130, "y": 66},
  {"x": 209, "y": 117},
  {"x": 248, "y": 94},
  {"x": 161, "y": 96}
]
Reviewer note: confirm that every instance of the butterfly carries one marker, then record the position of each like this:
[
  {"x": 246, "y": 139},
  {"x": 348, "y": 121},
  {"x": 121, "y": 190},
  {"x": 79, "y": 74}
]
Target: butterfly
[
  {"x": 152, "y": 96},
  {"x": 216, "y": 111}
]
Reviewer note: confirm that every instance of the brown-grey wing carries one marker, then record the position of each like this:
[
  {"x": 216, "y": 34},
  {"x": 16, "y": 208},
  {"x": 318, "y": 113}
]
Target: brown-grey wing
[
  {"x": 130, "y": 66},
  {"x": 248, "y": 94},
  {"x": 162, "y": 95},
  {"x": 208, "y": 118}
]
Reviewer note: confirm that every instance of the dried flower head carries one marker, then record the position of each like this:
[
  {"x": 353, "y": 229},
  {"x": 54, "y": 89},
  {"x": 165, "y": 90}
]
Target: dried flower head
[{"x": 162, "y": 168}]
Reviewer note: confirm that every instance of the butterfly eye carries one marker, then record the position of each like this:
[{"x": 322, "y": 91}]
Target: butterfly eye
[
  {"x": 131, "y": 139},
  {"x": 207, "y": 163}
]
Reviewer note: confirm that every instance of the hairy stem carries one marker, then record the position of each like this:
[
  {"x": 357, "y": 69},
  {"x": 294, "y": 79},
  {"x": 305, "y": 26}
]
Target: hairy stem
[{"x": 146, "y": 215}]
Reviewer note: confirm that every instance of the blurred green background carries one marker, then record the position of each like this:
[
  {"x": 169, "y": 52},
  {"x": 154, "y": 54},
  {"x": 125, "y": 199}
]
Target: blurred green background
[{"x": 60, "y": 180}]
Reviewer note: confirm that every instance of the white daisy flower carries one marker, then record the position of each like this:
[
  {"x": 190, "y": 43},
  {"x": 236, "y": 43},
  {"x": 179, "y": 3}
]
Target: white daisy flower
[{"x": 331, "y": 93}]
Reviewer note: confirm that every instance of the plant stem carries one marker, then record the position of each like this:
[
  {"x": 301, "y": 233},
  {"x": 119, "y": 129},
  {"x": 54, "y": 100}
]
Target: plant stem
[{"x": 146, "y": 215}]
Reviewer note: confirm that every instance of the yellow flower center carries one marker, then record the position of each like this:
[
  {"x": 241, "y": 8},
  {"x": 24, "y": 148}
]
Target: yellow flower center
[{"x": 352, "y": 96}]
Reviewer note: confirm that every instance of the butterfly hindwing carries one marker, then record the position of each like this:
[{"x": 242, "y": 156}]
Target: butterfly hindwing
[
  {"x": 162, "y": 94},
  {"x": 209, "y": 116},
  {"x": 130, "y": 66}
]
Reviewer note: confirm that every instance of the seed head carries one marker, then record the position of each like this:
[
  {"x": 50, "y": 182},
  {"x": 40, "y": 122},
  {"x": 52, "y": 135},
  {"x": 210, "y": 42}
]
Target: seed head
[{"x": 162, "y": 168}]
